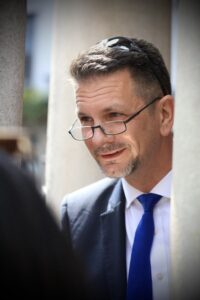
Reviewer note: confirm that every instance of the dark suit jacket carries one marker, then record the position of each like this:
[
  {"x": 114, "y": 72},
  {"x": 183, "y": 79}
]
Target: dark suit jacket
[{"x": 95, "y": 216}]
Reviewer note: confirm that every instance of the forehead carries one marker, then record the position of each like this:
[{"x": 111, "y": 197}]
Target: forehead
[{"x": 114, "y": 85}]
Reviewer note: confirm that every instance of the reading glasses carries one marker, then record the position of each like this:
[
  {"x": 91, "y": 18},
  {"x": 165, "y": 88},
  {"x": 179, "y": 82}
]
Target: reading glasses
[{"x": 82, "y": 133}]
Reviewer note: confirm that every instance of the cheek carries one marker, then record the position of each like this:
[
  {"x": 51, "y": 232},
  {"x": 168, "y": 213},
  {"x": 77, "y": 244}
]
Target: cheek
[
  {"x": 132, "y": 142},
  {"x": 131, "y": 136},
  {"x": 150, "y": 141},
  {"x": 89, "y": 145},
  {"x": 140, "y": 136}
]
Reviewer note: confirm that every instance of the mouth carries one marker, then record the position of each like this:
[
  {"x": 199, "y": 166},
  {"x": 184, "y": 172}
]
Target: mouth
[{"x": 112, "y": 155}]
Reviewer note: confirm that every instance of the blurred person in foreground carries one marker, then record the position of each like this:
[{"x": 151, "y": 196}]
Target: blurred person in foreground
[
  {"x": 35, "y": 258},
  {"x": 125, "y": 118}
]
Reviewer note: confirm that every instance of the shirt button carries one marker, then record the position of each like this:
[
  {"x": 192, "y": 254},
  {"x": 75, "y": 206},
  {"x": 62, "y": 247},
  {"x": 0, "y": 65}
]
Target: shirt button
[{"x": 159, "y": 276}]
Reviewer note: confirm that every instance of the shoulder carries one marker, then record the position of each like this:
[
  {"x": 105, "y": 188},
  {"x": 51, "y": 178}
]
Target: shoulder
[{"x": 86, "y": 198}]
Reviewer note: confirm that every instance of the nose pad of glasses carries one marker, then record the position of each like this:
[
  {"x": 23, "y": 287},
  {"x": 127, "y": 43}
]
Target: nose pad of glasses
[
  {"x": 100, "y": 136},
  {"x": 99, "y": 133},
  {"x": 98, "y": 130}
]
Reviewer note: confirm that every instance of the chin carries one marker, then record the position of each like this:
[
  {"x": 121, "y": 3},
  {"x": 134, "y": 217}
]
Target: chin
[{"x": 115, "y": 171}]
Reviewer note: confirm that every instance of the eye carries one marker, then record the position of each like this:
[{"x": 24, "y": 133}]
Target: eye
[
  {"x": 116, "y": 116},
  {"x": 86, "y": 121}
]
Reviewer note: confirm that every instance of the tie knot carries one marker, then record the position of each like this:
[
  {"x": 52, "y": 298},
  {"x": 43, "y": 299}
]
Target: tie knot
[{"x": 148, "y": 201}]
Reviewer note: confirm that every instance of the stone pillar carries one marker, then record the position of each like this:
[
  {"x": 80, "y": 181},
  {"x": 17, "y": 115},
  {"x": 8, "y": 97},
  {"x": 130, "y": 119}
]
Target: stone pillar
[
  {"x": 185, "y": 218},
  {"x": 78, "y": 25},
  {"x": 12, "y": 54}
]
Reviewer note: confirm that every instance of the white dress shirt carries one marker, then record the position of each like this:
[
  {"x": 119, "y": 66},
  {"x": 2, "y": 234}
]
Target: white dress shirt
[{"x": 160, "y": 252}]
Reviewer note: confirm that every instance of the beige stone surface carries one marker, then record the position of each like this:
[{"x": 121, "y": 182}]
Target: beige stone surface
[
  {"x": 185, "y": 219},
  {"x": 12, "y": 55}
]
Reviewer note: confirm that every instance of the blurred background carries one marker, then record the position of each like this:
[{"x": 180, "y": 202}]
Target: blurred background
[
  {"x": 25, "y": 58},
  {"x": 37, "y": 58},
  {"x": 38, "y": 46}
]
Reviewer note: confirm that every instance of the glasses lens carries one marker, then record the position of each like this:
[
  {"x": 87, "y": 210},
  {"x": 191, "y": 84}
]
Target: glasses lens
[
  {"x": 114, "y": 127},
  {"x": 81, "y": 132}
]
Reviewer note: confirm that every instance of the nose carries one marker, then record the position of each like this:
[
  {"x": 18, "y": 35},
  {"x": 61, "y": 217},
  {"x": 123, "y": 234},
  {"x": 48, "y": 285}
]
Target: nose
[{"x": 99, "y": 136}]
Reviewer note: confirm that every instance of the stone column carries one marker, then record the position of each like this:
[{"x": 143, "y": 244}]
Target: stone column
[
  {"x": 12, "y": 54},
  {"x": 185, "y": 218},
  {"x": 78, "y": 25}
]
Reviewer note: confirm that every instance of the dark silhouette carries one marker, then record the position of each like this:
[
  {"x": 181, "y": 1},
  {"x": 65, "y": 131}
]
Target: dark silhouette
[{"x": 35, "y": 258}]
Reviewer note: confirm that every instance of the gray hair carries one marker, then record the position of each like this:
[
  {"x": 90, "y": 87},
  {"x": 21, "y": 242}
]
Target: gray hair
[{"x": 141, "y": 58}]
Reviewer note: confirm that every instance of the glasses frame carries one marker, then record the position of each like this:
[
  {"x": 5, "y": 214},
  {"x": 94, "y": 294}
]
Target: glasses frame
[
  {"x": 123, "y": 43},
  {"x": 131, "y": 117}
]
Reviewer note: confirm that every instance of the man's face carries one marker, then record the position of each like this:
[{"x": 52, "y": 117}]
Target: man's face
[{"x": 112, "y": 98}]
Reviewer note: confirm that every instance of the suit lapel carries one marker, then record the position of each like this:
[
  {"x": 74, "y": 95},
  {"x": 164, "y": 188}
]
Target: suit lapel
[{"x": 114, "y": 243}]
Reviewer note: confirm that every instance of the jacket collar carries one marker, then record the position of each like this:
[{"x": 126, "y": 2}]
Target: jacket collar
[{"x": 114, "y": 242}]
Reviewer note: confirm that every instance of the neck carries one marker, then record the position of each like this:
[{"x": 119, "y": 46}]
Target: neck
[
  {"x": 144, "y": 179},
  {"x": 148, "y": 182}
]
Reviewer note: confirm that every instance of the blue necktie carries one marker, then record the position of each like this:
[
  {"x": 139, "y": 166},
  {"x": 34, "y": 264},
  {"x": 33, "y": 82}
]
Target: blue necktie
[{"x": 139, "y": 278}]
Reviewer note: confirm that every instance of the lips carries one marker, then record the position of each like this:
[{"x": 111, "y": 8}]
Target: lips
[{"x": 112, "y": 154}]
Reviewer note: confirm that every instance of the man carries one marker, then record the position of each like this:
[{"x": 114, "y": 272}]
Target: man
[{"x": 125, "y": 118}]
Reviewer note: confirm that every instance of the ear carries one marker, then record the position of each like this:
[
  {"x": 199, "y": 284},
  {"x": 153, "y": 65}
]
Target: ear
[{"x": 166, "y": 105}]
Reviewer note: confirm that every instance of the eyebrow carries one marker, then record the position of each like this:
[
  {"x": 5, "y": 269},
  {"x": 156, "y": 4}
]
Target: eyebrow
[
  {"x": 81, "y": 114},
  {"x": 112, "y": 108}
]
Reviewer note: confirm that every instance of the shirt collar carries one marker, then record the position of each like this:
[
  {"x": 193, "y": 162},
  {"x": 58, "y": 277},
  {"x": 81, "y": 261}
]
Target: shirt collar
[{"x": 163, "y": 188}]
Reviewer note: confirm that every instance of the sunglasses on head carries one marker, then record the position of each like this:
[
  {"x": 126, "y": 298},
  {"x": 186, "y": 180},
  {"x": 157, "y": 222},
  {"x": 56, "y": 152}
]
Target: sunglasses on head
[
  {"x": 122, "y": 43},
  {"x": 129, "y": 45}
]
